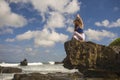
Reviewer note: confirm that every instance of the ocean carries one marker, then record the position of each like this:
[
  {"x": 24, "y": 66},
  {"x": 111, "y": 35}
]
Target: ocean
[
  {"x": 43, "y": 68},
  {"x": 39, "y": 67}
]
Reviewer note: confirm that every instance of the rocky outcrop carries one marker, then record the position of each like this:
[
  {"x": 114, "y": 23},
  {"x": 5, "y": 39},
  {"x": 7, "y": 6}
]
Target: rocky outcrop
[
  {"x": 24, "y": 62},
  {"x": 87, "y": 56},
  {"x": 10, "y": 70},
  {"x": 49, "y": 76},
  {"x": 58, "y": 62},
  {"x": 116, "y": 49}
]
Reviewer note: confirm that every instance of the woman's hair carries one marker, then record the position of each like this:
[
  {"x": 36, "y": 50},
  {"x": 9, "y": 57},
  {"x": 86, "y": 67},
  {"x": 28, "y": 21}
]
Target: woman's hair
[{"x": 78, "y": 22}]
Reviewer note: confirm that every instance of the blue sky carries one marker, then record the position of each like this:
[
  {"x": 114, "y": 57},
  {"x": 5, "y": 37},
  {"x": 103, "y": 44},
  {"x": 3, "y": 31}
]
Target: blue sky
[{"x": 37, "y": 29}]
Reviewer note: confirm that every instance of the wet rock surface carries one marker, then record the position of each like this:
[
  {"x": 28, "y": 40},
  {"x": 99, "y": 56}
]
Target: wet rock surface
[
  {"x": 49, "y": 76},
  {"x": 10, "y": 70}
]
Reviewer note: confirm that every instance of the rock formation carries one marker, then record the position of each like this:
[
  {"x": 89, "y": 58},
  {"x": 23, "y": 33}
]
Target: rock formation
[
  {"x": 10, "y": 70},
  {"x": 87, "y": 56},
  {"x": 49, "y": 76},
  {"x": 24, "y": 62}
]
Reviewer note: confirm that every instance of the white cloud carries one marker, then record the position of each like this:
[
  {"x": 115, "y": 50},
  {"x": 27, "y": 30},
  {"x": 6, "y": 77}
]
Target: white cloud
[
  {"x": 43, "y": 38},
  {"x": 70, "y": 29},
  {"x": 46, "y": 6},
  {"x": 99, "y": 35},
  {"x": 107, "y": 23},
  {"x": 55, "y": 20},
  {"x": 63, "y": 6},
  {"x": 31, "y": 20},
  {"x": 10, "y": 40},
  {"x": 53, "y": 11},
  {"x": 72, "y": 7},
  {"x": 103, "y": 23},
  {"x": 9, "y": 18},
  {"x": 54, "y": 14},
  {"x": 25, "y": 36},
  {"x": 47, "y": 38}
]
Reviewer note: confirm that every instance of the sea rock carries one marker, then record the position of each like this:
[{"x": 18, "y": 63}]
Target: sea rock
[
  {"x": 58, "y": 62},
  {"x": 87, "y": 56},
  {"x": 10, "y": 70},
  {"x": 49, "y": 76},
  {"x": 24, "y": 62}
]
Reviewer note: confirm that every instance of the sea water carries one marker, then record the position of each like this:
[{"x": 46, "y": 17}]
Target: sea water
[
  {"x": 43, "y": 68},
  {"x": 39, "y": 67}
]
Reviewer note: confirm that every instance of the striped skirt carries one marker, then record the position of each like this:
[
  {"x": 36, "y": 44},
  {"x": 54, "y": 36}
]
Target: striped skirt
[{"x": 79, "y": 36}]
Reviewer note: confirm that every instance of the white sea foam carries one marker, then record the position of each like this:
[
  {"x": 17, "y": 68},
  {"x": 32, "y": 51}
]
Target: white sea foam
[
  {"x": 6, "y": 76},
  {"x": 51, "y": 62},
  {"x": 35, "y": 63},
  {"x": 47, "y": 68},
  {"x": 9, "y": 64},
  {"x": 17, "y": 64}
]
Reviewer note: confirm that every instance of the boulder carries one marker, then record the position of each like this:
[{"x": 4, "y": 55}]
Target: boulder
[
  {"x": 10, "y": 70},
  {"x": 87, "y": 56},
  {"x": 24, "y": 62},
  {"x": 49, "y": 76},
  {"x": 58, "y": 62}
]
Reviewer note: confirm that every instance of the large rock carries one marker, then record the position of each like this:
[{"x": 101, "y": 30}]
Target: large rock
[
  {"x": 49, "y": 76},
  {"x": 10, "y": 70},
  {"x": 24, "y": 62},
  {"x": 87, "y": 56}
]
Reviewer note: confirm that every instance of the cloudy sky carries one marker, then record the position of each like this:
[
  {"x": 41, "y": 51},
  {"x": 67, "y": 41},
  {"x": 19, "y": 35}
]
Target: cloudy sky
[{"x": 37, "y": 29}]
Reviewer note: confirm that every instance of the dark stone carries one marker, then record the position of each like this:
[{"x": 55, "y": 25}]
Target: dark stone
[
  {"x": 88, "y": 55},
  {"x": 49, "y": 76},
  {"x": 100, "y": 74},
  {"x": 10, "y": 70},
  {"x": 24, "y": 62},
  {"x": 19, "y": 76},
  {"x": 58, "y": 62}
]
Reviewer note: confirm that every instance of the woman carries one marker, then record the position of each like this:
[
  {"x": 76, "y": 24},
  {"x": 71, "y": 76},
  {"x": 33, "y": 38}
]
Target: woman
[{"x": 78, "y": 29}]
